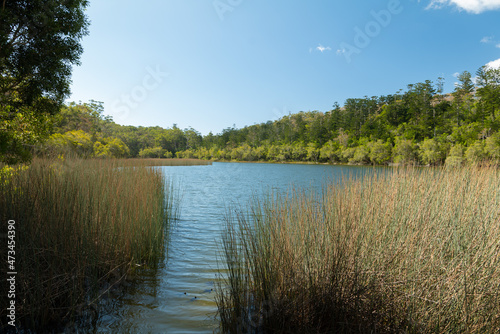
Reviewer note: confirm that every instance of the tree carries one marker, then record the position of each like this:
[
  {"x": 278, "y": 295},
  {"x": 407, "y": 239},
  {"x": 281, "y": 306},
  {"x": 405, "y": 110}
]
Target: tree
[
  {"x": 330, "y": 151},
  {"x": 152, "y": 152},
  {"x": 404, "y": 151},
  {"x": 380, "y": 152},
  {"x": 463, "y": 94},
  {"x": 430, "y": 152},
  {"x": 475, "y": 153},
  {"x": 312, "y": 152},
  {"x": 360, "y": 155},
  {"x": 488, "y": 81},
  {"x": 456, "y": 156},
  {"x": 39, "y": 43}
]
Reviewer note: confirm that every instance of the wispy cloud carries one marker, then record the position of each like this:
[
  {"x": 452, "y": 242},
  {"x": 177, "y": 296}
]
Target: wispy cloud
[
  {"x": 487, "y": 39},
  {"x": 471, "y": 6},
  {"x": 322, "y": 48},
  {"x": 498, "y": 45},
  {"x": 494, "y": 64}
]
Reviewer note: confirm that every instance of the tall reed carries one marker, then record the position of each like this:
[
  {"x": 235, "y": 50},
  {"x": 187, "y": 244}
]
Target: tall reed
[
  {"x": 409, "y": 251},
  {"x": 81, "y": 226},
  {"x": 163, "y": 162}
]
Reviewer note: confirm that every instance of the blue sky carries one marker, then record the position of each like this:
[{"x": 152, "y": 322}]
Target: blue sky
[{"x": 209, "y": 64}]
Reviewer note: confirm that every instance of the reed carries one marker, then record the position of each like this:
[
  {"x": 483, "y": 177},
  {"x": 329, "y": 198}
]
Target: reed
[
  {"x": 408, "y": 251},
  {"x": 81, "y": 228},
  {"x": 163, "y": 162}
]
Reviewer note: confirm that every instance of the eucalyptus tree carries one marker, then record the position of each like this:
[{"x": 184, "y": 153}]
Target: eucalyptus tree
[{"x": 39, "y": 44}]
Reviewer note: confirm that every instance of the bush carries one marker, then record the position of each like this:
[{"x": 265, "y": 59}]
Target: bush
[
  {"x": 455, "y": 157},
  {"x": 404, "y": 152},
  {"x": 153, "y": 152},
  {"x": 380, "y": 152},
  {"x": 475, "y": 153},
  {"x": 430, "y": 152}
]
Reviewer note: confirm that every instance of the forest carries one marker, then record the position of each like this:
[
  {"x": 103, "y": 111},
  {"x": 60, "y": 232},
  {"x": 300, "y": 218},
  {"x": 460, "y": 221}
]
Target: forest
[{"x": 421, "y": 125}]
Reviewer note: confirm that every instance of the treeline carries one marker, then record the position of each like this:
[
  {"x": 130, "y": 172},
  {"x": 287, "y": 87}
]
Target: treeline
[
  {"x": 83, "y": 130},
  {"x": 420, "y": 125}
]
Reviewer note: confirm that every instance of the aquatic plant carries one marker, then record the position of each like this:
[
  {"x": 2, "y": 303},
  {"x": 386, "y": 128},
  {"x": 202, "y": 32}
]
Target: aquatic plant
[
  {"x": 81, "y": 226},
  {"x": 408, "y": 251}
]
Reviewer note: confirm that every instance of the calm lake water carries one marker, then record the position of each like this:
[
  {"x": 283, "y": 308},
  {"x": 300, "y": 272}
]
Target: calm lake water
[{"x": 178, "y": 297}]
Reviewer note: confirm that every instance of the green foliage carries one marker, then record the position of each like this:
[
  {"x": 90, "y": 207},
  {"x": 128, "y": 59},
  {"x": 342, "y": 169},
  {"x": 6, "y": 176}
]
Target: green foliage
[
  {"x": 330, "y": 152},
  {"x": 20, "y": 129},
  {"x": 492, "y": 146},
  {"x": 456, "y": 156},
  {"x": 404, "y": 151},
  {"x": 111, "y": 148},
  {"x": 312, "y": 152},
  {"x": 475, "y": 153},
  {"x": 430, "y": 152},
  {"x": 380, "y": 152},
  {"x": 153, "y": 152},
  {"x": 39, "y": 43},
  {"x": 416, "y": 126},
  {"x": 360, "y": 155}
]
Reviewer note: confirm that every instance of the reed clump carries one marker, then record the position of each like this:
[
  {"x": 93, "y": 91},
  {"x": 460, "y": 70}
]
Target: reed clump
[
  {"x": 81, "y": 227},
  {"x": 163, "y": 162},
  {"x": 408, "y": 251}
]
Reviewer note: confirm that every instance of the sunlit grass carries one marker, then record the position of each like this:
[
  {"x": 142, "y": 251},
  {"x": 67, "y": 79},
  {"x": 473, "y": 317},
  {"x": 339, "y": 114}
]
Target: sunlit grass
[
  {"x": 163, "y": 162},
  {"x": 81, "y": 226},
  {"x": 412, "y": 251}
]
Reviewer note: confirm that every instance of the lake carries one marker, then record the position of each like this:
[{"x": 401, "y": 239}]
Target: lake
[{"x": 178, "y": 297}]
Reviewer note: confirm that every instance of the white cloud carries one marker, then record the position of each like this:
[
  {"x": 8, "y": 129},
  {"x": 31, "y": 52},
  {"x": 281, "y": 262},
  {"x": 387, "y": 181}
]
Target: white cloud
[
  {"x": 494, "y": 64},
  {"x": 487, "y": 39},
  {"x": 498, "y": 45},
  {"x": 341, "y": 51},
  {"x": 471, "y": 6},
  {"x": 323, "y": 48}
]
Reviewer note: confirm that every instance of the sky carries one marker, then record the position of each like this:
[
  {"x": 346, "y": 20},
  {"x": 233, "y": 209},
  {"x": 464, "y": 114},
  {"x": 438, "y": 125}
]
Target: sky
[{"x": 214, "y": 64}]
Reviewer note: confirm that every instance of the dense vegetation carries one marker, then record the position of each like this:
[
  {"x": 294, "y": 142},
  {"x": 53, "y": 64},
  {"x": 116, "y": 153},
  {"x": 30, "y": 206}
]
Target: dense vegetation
[
  {"x": 403, "y": 251},
  {"x": 83, "y": 130},
  {"x": 80, "y": 227},
  {"x": 421, "y": 125},
  {"x": 39, "y": 44}
]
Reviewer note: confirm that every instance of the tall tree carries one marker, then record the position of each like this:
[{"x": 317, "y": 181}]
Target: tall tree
[
  {"x": 488, "y": 81},
  {"x": 462, "y": 94},
  {"x": 39, "y": 43}
]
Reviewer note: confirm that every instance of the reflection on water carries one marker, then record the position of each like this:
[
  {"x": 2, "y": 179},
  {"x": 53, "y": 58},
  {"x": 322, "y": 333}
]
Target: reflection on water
[{"x": 178, "y": 297}]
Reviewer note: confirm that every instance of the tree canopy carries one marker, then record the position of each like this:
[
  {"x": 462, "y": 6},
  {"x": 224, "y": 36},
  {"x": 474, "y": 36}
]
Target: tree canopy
[
  {"x": 39, "y": 44},
  {"x": 420, "y": 125}
]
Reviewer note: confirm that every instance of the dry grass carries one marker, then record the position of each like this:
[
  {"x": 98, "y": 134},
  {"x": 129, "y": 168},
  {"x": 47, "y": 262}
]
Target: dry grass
[
  {"x": 81, "y": 225},
  {"x": 411, "y": 251},
  {"x": 162, "y": 162}
]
